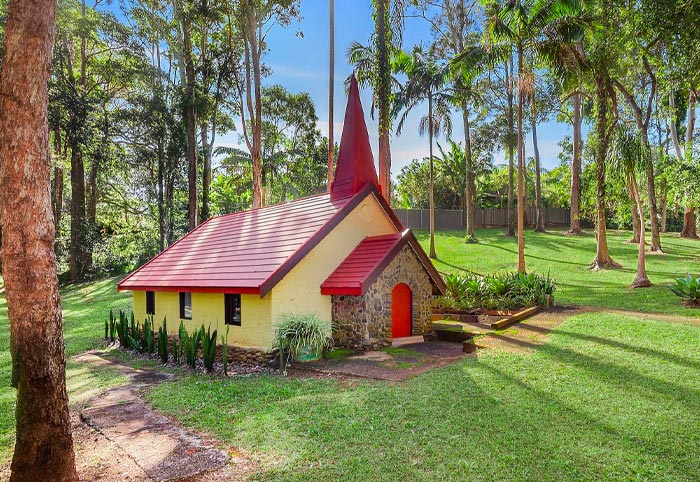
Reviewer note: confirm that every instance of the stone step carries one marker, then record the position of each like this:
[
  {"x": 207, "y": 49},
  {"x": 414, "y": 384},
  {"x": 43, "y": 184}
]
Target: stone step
[{"x": 407, "y": 340}]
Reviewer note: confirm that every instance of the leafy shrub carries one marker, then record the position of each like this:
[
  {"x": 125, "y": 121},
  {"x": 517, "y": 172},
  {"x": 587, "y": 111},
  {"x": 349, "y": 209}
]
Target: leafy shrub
[
  {"x": 208, "y": 348},
  {"x": 499, "y": 291},
  {"x": 687, "y": 288},
  {"x": 302, "y": 333}
]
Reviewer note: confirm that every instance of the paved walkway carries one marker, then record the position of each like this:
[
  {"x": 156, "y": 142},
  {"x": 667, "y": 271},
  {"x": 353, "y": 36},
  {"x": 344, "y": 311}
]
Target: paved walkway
[{"x": 161, "y": 448}]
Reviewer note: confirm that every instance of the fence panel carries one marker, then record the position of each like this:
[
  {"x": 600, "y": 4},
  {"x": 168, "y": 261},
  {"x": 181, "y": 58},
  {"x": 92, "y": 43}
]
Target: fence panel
[{"x": 486, "y": 217}]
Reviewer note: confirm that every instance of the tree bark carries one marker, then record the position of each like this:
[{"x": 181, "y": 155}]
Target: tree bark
[
  {"x": 77, "y": 212},
  {"x": 206, "y": 171},
  {"x": 689, "y": 223},
  {"x": 636, "y": 231},
  {"x": 189, "y": 116},
  {"x": 602, "y": 258},
  {"x": 433, "y": 254},
  {"x": 384, "y": 91},
  {"x": 331, "y": 93},
  {"x": 641, "y": 280},
  {"x": 664, "y": 205},
  {"x": 43, "y": 446},
  {"x": 469, "y": 192},
  {"x": 521, "y": 170},
  {"x": 575, "y": 223},
  {"x": 511, "y": 165},
  {"x": 539, "y": 211}
]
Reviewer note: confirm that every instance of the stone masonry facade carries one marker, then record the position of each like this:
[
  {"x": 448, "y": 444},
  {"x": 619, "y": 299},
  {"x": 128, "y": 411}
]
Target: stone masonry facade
[{"x": 365, "y": 321}]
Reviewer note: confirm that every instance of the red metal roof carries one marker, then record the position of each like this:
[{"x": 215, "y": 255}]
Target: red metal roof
[
  {"x": 355, "y": 166},
  {"x": 366, "y": 262},
  {"x": 246, "y": 252}
]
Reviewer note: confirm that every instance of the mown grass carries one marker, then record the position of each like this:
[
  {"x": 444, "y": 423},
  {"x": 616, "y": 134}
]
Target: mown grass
[
  {"x": 85, "y": 307},
  {"x": 608, "y": 397},
  {"x": 567, "y": 258}
]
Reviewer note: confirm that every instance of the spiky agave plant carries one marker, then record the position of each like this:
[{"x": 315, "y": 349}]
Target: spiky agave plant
[
  {"x": 208, "y": 348},
  {"x": 163, "y": 341}
]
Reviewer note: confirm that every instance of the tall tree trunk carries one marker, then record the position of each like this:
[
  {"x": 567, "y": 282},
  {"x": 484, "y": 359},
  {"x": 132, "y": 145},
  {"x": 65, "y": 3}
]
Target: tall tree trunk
[
  {"x": 641, "y": 280},
  {"x": 77, "y": 212},
  {"x": 331, "y": 94},
  {"x": 469, "y": 191},
  {"x": 521, "y": 169},
  {"x": 575, "y": 223},
  {"x": 189, "y": 116},
  {"x": 539, "y": 211},
  {"x": 383, "y": 93},
  {"x": 689, "y": 223},
  {"x": 664, "y": 205},
  {"x": 511, "y": 135},
  {"x": 57, "y": 188},
  {"x": 433, "y": 254},
  {"x": 636, "y": 231},
  {"x": 602, "y": 258},
  {"x": 653, "y": 211},
  {"x": 43, "y": 446},
  {"x": 161, "y": 188},
  {"x": 206, "y": 171}
]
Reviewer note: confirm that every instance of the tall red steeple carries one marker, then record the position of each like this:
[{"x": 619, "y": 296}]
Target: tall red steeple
[{"x": 355, "y": 166}]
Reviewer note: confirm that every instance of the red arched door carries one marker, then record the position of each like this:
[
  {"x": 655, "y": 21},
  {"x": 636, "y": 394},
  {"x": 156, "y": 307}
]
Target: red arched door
[{"x": 401, "y": 311}]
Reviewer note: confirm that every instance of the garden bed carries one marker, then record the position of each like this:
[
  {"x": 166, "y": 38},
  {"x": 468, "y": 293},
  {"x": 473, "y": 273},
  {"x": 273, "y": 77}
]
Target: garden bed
[{"x": 459, "y": 327}]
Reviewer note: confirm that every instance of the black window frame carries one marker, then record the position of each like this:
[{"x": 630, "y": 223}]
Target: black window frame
[
  {"x": 150, "y": 302},
  {"x": 183, "y": 295},
  {"x": 231, "y": 302}
]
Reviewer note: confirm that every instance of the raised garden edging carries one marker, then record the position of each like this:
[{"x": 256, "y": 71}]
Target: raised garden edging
[{"x": 458, "y": 327}]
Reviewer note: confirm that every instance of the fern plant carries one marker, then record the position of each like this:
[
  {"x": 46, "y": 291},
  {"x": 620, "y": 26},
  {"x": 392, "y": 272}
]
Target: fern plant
[{"x": 208, "y": 348}]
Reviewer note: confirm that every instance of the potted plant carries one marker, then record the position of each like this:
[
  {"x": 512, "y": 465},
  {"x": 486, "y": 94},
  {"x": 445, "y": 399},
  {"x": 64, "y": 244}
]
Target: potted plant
[{"x": 302, "y": 337}]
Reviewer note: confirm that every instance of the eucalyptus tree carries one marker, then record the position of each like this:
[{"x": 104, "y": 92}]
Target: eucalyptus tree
[
  {"x": 250, "y": 22},
  {"x": 428, "y": 82},
  {"x": 631, "y": 154},
  {"x": 537, "y": 29},
  {"x": 455, "y": 26},
  {"x": 95, "y": 61},
  {"x": 43, "y": 445}
]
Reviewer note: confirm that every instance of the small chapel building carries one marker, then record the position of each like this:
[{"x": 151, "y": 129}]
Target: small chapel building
[{"x": 342, "y": 255}]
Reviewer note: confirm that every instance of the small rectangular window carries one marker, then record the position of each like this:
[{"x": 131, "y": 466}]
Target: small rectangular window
[
  {"x": 186, "y": 306},
  {"x": 150, "y": 303},
  {"x": 232, "y": 304}
]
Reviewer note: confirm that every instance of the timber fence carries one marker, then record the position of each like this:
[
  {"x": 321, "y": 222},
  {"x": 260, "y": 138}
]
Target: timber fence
[{"x": 488, "y": 217}]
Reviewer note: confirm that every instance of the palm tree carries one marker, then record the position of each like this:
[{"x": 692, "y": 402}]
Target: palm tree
[
  {"x": 630, "y": 154},
  {"x": 427, "y": 82},
  {"x": 373, "y": 67},
  {"x": 539, "y": 30}
]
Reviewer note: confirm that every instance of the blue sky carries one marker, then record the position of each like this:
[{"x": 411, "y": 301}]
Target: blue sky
[{"x": 300, "y": 63}]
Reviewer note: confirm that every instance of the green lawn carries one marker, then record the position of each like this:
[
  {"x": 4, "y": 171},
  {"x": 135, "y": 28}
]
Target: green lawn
[
  {"x": 567, "y": 259},
  {"x": 85, "y": 307},
  {"x": 609, "y": 396}
]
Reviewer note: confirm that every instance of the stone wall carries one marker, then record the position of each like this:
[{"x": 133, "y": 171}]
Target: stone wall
[{"x": 365, "y": 321}]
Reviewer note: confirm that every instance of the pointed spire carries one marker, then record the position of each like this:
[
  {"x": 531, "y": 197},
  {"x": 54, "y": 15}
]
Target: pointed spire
[{"x": 355, "y": 165}]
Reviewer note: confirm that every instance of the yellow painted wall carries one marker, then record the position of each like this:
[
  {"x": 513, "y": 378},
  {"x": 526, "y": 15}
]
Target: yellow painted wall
[
  {"x": 300, "y": 290},
  {"x": 208, "y": 309}
]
